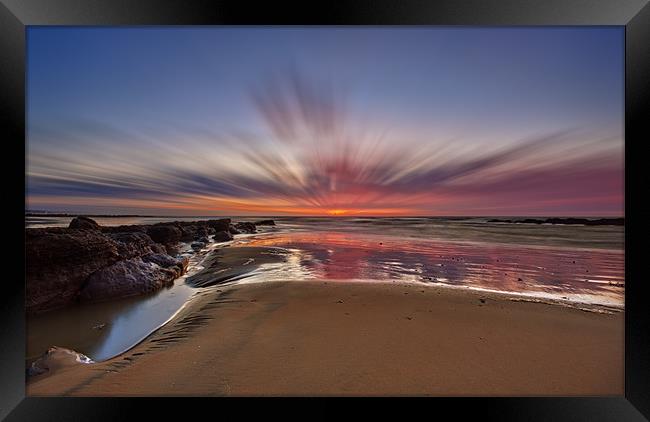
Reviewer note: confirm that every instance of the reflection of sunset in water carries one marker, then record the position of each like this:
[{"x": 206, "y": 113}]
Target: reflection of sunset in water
[{"x": 595, "y": 276}]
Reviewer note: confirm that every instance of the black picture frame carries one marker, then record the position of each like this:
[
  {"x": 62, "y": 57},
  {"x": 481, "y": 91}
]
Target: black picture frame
[{"x": 16, "y": 15}]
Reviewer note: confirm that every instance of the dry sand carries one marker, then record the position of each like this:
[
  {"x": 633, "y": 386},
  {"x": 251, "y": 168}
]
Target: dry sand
[{"x": 334, "y": 338}]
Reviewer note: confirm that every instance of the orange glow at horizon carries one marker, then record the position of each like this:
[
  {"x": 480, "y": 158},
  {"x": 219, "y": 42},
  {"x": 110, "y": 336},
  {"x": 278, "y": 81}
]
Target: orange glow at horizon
[
  {"x": 207, "y": 205},
  {"x": 337, "y": 212}
]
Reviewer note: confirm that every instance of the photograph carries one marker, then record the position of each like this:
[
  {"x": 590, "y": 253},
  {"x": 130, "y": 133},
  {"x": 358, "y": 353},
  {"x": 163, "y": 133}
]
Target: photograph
[{"x": 325, "y": 211}]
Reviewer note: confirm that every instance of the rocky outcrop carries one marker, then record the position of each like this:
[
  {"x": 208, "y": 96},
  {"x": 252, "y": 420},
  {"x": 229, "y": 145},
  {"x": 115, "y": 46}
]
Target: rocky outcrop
[
  {"x": 245, "y": 227},
  {"x": 165, "y": 233},
  {"x": 128, "y": 278},
  {"x": 90, "y": 262},
  {"x": 83, "y": 223},
  {"x": 166, "y": 261},
  {"x": 134, "y": 244},
  {"x": 197, "y": 245},
  {"x": 194, "y": 232},
  {"x": 124, "y": 229},
  {"x": 219, "y": 225},
  {"x": 59, "y": 260},
  {"x": 265, "y": 223},
  {"x": 222, "y": 236}
]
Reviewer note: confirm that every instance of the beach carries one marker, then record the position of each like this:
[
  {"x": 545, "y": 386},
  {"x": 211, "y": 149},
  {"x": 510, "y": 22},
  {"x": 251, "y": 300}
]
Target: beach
[
  {"x": 325, "y": 306},
  {"x": 353, "y": 338}
]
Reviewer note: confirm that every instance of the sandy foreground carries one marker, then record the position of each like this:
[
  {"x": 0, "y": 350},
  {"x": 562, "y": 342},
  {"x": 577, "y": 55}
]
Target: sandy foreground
[{"x": 335, "y": 338}]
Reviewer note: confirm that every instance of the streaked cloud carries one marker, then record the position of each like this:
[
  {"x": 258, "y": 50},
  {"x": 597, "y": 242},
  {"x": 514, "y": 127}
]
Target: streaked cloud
[{"x": 306, "y": 149}]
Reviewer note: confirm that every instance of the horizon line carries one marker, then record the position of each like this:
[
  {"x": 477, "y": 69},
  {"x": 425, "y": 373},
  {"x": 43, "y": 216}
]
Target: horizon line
[{"x": 74, "y": 214}]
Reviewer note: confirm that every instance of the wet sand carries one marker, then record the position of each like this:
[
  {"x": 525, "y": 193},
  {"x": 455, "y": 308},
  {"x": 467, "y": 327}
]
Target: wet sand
[{"x": 334, "y": 338}]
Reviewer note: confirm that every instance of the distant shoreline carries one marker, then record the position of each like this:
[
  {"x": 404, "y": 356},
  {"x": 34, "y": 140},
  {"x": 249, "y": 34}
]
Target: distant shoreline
[{"x": 567, "y": 221}]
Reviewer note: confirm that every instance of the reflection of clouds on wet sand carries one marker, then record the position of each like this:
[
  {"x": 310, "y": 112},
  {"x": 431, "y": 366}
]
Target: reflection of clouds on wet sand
[{"x": 591, "y": 275}]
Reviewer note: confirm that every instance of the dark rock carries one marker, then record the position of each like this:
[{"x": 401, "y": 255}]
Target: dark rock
[
  {"x": 204, "y": 240},
  {"x": 59, "y": 260},
  {"x": 164, "y": 233},
  {"x": 56, "y": 358},
  {"x": 219, "y": 225},
  {"x": 83, "y": 223},
  {"x": 197, "y": 245},
  {"x": 265, "y": 223},
  {"x": 166, "y": 261},
  {"x": 193, "y": 231},
  {"x": 222, "y": 236},
  {"x": 233, "y": 230},
  {"x": 201, "y": 232},
  {"x": 187, "y": 234},
  {"x": 171, "y": 249},
  {"x": 135, "y": 244},
  {"x": 124, "y": 229},
  {"x": 245, "y": 227},
  {"x": 126, "y": 278}
]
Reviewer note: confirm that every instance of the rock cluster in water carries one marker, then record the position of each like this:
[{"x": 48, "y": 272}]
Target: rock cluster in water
[{"x": 88, "y": 262}]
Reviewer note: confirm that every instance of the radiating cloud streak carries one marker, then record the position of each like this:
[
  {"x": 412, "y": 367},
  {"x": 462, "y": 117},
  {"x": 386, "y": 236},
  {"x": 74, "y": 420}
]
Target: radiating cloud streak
[{"x": 314, "y": 158}]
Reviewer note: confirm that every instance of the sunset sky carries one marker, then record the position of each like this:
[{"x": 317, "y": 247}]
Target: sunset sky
[{"x": 326, "y": 121}]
